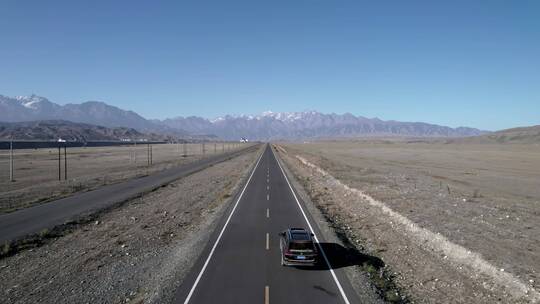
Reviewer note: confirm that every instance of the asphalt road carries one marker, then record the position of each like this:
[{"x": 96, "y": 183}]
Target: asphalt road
[
  {"x": 241, "y": 264},
  {"x": 27, "y": 221}
]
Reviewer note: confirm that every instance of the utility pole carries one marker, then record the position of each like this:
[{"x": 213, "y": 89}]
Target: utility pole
[
  {"x": 151, "y": 155},
  {"x": 148, "y": 155},
  {"x": 203, "y": 149},
  {"x": 11, "y": 161},
  {"x": 135, "y": 152},
  {"x": 65, "y": 162},
  {"x": 185, "y": 149},
  {"x": 59, "y": 163}
]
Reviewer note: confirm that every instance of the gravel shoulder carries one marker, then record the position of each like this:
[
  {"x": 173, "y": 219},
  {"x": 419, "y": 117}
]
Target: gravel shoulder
[
  {"x": 441, "y": 246},
  {"x": 137, "y": 253}
]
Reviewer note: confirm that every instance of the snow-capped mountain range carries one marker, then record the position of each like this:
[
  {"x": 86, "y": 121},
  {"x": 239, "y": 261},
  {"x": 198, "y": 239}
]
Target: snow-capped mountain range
[
  {"x": 310, "y": 124},
  {"x": 266, "y": 126},
  {"x": 33, "y": 108}
]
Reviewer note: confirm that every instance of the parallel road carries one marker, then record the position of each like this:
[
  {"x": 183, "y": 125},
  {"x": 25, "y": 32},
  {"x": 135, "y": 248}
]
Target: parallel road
[
  {"x": 34, "y": 219},
  {"x": 242, "y": 262}
]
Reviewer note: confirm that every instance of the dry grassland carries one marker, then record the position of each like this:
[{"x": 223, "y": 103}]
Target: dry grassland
[{"x": 36, "y": 170}]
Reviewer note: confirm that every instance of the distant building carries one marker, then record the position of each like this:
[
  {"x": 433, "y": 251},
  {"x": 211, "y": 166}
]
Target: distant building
[{"x": 244, "y": 140}]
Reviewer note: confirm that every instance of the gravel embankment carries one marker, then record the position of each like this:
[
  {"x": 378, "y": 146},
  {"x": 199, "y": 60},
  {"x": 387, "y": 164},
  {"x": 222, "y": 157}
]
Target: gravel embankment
[{"x": 137, "y": 253}]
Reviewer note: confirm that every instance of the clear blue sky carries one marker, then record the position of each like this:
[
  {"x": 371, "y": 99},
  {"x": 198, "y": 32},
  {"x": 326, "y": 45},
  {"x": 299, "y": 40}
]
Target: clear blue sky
[{"x": 473, "y": 63}]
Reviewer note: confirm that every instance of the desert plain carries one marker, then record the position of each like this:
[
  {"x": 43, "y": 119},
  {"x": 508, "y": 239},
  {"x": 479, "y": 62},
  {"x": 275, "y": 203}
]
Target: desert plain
[{"x": 453, "y": 221}]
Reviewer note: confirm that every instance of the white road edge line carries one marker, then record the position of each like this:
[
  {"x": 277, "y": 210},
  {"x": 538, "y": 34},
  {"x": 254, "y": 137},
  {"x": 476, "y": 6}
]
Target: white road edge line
[
  {"x": 314, "y": 235},
  {"x": 267, "y": 241},
  {"x": 221, "y": 233},
  {"x": 268, "y": 212}
]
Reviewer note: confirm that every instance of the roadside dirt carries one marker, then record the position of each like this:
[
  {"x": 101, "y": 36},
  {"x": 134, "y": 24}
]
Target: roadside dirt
[
  {"x": 137, "y": 253},
  {"x": 36, "y": 170},
  {"x": 444, "y": 246}
]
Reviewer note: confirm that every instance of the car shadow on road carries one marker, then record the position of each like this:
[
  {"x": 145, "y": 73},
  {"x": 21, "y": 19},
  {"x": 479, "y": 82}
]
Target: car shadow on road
[{"x": 339, "y": 257}]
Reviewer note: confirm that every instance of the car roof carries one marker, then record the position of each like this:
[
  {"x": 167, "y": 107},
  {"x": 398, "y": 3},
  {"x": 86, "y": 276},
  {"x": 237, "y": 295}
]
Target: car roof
[{"x": 299, "y": 234}]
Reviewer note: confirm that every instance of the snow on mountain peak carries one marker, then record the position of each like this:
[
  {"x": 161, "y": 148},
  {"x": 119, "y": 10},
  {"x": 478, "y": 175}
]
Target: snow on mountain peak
[
  {"x": 30, "y": 101},
  {"x": 217, "y": 119},
  {"x": 286, "y": 116}
]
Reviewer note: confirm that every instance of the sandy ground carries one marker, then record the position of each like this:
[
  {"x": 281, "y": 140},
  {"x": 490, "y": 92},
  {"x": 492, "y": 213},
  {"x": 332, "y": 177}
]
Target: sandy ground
[
  {"x": 137, "y": 253},
  {"x": 36, "y": 170},
  {"x": 461, "y": 223}
]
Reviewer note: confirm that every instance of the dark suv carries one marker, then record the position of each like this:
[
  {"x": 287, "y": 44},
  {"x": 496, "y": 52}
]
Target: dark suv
[{"x": 297, "y": 248}]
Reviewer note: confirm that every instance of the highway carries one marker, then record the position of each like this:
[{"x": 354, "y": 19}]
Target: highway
[
  {"x": 241, "y": 263},
  {"x": 32, "y": 220}
]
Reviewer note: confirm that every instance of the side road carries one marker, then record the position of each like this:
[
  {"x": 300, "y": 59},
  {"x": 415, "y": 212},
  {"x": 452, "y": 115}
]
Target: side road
[{"x": 32, "y": 220}]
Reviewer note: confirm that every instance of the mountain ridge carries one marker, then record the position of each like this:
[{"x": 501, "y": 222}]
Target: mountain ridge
[
  {"x": 311, "y": 124},
  {"x": 519, "y": 135},
  {"x": 36, "y": 108},
  {"x": 70, "y": 131},
  {"x": 265, "y": 126}
]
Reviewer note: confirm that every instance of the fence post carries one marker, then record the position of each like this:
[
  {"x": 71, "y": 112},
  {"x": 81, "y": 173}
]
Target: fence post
[
  {"x": 185, "y": 149},
  {"x": 59, "y": 163}
]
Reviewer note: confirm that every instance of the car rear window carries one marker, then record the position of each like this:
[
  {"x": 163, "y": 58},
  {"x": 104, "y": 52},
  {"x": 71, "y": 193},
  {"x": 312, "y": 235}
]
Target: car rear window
[
  {"x": 301, "y": 246},
  {"x": 301, "y": 236}
]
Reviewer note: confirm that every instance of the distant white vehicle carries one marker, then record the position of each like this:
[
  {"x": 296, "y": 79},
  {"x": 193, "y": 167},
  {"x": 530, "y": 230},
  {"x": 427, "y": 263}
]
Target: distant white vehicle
[
  {"x": 61, "y": 140},
  {"x": 244, "y": 140}
]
